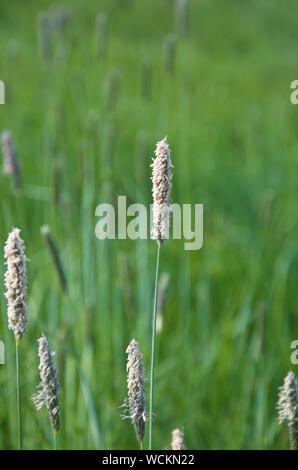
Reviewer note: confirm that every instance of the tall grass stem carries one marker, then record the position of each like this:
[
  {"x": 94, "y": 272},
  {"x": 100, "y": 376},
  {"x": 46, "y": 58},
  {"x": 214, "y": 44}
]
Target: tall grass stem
[
  {"x": 153, "y": 347},
  {"x": 18, "y": 398}
]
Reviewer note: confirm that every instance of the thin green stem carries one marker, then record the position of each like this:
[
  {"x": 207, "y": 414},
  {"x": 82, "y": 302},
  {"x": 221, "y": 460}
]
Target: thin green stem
[
  {"x": 18, "y": 397},
  {"x": 55, "y": 440},
  {"x": 153, "y": 348}
]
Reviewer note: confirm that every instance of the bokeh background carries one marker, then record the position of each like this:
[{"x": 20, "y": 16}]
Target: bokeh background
[{"x": 87, "y": 97}]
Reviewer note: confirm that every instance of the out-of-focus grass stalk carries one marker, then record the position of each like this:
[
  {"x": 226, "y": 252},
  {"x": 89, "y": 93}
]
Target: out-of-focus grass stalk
[
  {"x": 112, "y": 87},
  {"x": 11, "y": 164},
  {"x": 44, "y": 34},
  {"x": 182, "y": 17},
  {"x": 56, "y": 181},
  {"x": 94, "y": 424},
  {"x": 45, "y": 230},
  {"x": 163, "y": 285},
  {"x": 141, "y": 155},
  {"x": 146, "y": 79},
  {"x": 125, "y": 270},
  {"x": 170, "y": 47},
  {"x": 102, "y": 34}
]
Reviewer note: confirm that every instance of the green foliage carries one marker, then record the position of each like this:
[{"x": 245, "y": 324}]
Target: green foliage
[{"x": 232, "y": 308}]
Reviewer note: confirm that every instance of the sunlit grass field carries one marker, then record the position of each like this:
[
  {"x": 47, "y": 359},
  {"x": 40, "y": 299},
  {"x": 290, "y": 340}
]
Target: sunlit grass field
[{"x": 231, "y": 311}]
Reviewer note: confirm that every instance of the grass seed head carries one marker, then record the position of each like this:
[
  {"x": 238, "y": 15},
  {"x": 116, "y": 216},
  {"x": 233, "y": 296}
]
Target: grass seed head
[
  {"x": 135, "y": 402},
  {"x": 16, "y": 284},
  {"x": 48, "y": 393},
  {"x": 178, "y": 440},
  {"x": 287, "y": 407},
  {"x": 161, "y": 191}
]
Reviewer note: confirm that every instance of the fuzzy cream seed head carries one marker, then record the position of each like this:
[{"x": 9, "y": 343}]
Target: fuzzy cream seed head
[
  {"x": 16, "y": 283},
  {"x": 161, "y": 191},
  {"x": 178, "y": 440},
  {"x": 287, "y": 407},
  {"x": 135, "y": 402},
  {"x": 48, "y": 393}
]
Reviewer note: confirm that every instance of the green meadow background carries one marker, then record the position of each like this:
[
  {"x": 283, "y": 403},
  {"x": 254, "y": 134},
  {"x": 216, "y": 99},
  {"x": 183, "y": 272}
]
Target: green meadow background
[{"x": 85, "y": 129}]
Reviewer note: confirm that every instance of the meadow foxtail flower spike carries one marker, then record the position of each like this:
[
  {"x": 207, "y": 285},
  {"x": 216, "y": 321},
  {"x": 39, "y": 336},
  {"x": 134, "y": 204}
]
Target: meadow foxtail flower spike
[
  {"x": 135, "y": 402},
  {"x": 161, "y": 191},
  {"x": 287, "y": 407},
  {"x": 178, "y": 440},
  {"x": 16, "y": 284},
  {"x": 48, "y": 393}
]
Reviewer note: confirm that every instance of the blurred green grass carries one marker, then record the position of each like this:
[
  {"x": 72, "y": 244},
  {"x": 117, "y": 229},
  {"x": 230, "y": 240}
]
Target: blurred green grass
[{"x": 232, "y": 308}]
